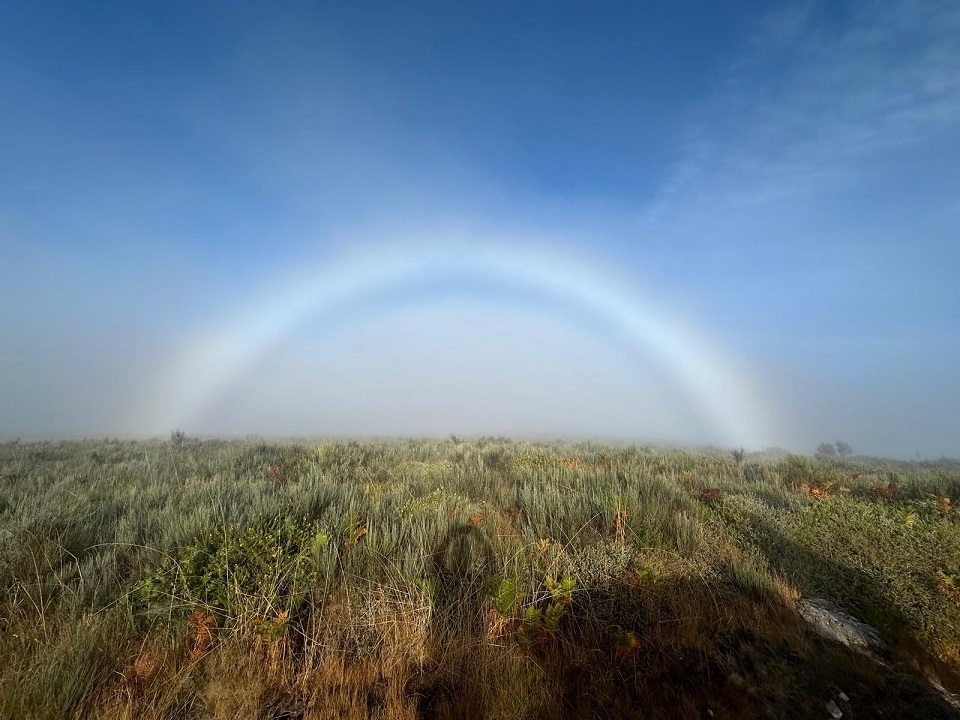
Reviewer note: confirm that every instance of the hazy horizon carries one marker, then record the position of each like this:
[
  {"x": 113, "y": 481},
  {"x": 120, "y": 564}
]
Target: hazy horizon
[
  {"x": 729, "y": 226},
  {"x": 652, "y": 444}
]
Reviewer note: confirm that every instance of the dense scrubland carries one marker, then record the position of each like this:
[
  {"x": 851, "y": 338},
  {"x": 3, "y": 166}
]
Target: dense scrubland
[{"x": 483, "y": 578}]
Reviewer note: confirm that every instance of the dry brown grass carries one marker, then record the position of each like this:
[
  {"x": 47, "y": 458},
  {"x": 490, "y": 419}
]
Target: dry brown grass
[{"x": 382, "y": 657}]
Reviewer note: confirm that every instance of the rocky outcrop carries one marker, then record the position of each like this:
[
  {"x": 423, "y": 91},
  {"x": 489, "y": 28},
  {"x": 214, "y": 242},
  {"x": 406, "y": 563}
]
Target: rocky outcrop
[{"x": 829, "y": 621}]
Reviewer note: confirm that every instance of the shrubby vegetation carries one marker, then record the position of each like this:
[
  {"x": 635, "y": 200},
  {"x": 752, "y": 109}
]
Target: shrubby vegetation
[
  {"x": 424, "y": 578},
  {"x": 831, "y": 450}
]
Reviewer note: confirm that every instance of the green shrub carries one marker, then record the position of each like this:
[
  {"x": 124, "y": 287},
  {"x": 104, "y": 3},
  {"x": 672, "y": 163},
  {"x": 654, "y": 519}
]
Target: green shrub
[{"x": 240, "y": 574}]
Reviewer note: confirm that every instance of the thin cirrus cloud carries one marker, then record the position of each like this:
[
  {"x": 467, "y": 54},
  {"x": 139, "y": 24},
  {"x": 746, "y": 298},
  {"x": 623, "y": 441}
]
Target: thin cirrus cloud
[{"x": 830, "y": 195}]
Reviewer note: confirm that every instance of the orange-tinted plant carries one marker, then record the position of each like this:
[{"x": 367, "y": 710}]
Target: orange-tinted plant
[
  {"x": 711, "y": 494},
  {"x": 946, "y": 506},
  {"x": 823, "y": 488},
  {"x": 887, "y": 492},
  {"x": 498, "y": 626},
  {"x": 138, "y": 674},
  {"x": 355, "y": 535},
  {"x": 200, "y": 637}
]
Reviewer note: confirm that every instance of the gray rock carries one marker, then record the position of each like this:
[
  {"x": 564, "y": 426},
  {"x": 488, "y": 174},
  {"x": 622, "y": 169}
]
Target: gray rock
[
  {"x": 834, "y": 711},
  {"x": 954, "y": 700},
  {"x": 831, "y": 622}
]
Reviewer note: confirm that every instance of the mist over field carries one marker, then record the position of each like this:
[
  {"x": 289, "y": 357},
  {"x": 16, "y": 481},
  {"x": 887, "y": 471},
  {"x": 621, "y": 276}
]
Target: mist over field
[{"x": 732, "y": 226}]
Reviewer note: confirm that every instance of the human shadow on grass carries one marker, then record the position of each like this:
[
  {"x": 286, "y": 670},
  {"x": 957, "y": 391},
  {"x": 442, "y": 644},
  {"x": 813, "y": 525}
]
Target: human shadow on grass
[{"x": 667, "y": 647}]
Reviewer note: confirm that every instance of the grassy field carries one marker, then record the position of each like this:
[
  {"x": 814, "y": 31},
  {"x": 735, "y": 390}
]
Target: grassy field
[{"x": 481, "y": 578}]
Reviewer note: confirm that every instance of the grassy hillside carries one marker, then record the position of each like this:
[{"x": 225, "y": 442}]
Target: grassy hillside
[{"x": 487, "y": 578}]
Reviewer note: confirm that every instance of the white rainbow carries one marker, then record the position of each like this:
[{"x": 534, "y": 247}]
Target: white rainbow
[{"x": 216, "y": 361}]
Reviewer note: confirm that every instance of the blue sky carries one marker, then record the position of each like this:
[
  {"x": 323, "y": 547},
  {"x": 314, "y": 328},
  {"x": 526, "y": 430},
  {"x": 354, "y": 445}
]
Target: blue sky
[{"x": 777, "y": 179}]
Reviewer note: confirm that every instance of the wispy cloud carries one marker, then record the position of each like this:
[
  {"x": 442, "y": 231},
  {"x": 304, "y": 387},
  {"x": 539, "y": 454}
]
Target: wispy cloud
[
  {"x": 813, "y": 101},
  {"x": 813, "y": 198}
]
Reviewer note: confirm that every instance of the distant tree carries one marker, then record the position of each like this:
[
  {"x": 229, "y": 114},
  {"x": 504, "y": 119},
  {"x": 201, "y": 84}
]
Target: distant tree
[
  {"x": 826, "y": 450},
  {"x": 843, "y": 450},
  {"x": 738, "y": 454}
]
